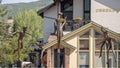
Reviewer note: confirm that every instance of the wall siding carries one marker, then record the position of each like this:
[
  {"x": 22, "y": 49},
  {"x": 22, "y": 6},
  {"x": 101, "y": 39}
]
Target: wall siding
[
  {"x": 49, "y": 23},
  {"x": 78, "y": 8},
  {"x": 106, "y": 13}
]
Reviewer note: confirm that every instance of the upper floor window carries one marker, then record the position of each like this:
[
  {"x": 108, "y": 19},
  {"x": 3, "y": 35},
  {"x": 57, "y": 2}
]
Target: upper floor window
[
  {"x": 86, "y": 10},
  {"x": 67, "y": 9},
  {"x": 91, "y": 40}
]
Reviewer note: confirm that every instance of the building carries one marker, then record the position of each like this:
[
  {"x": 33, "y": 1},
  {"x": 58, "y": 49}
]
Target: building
[{"x": 80, "y": 46}]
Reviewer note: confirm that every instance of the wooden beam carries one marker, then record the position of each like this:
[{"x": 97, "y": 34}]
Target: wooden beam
[
  {"x": 67, "y": 58},
  {"x": 49, "y": 56}
]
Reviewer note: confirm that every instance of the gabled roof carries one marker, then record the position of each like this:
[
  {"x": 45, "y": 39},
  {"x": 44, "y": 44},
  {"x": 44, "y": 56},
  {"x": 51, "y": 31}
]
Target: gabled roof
[
  {"x": 45, "y": 8},
  {"x": 62, "y": 43},
  {"x": 89, "y": 25},
  {"x": 75, "y": 32},
  {"x": 39, "y": 12}
]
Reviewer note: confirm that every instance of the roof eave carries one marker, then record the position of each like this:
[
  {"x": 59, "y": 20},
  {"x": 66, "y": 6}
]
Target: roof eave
[
  {"x": 62, "y": 43},
  {"x": 45, "y": 8}
]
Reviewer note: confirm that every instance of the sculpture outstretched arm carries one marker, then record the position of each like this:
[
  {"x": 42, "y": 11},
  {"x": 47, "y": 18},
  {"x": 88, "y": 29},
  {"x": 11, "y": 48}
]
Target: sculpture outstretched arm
[
  {"x": 14, "y": 33},
  {"x": 64, "y": 21},
  {"x": 28, "y": 33},
  {"x": 55, "y": 23}
]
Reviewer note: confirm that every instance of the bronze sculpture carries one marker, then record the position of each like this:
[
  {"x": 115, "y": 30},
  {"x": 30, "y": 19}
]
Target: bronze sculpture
[
  {"x": 59, "y": 24},
  {"x": 107, "y": 41},
  {"x": 20, "y": 40}
]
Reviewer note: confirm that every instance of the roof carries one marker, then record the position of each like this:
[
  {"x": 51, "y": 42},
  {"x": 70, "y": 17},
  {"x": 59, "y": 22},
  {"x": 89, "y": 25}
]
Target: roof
[
  {"x": 49, "y": 6},
  {"x": 75, "y": 32},
  {"x": 45, "y": 8},
  {"x": 95, "y": 26},
  {"x": 62, "y": 43}
]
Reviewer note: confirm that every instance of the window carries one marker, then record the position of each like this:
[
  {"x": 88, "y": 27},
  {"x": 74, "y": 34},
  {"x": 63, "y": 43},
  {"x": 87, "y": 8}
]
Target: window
[
  {"x": 84, "y": 60},
  {"x": 61, "y": 61},
  {"x": 84, "y": 41},
  {"x": 84, "y": 44},
  {"x": 86, "y": 6},
  {"x": 101, "y": 61},
  {"x": 84, "y": 50},
  {"x": 67, "y": 9},
  {"x": 91, "y": 39}
]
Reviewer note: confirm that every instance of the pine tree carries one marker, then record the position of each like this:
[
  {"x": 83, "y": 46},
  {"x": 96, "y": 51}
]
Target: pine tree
[{"x": 3, "y": 34}]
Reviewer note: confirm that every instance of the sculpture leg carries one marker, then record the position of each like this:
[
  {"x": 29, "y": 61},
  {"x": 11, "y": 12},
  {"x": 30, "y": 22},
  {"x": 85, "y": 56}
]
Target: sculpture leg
[
  {"x": 101, "y": 48},
  {"x": 18, "y": 62},
  {"x": 107, "y": 58},
  {"x": 21, "y": 46},
  {"x": 113, "y": 52},
  {"x": 19, "y": 49}
]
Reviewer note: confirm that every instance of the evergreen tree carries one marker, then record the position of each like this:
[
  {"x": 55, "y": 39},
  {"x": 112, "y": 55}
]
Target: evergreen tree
[
  {"x": 34, "y": 25},
  {"x": 3, "y": 34}
]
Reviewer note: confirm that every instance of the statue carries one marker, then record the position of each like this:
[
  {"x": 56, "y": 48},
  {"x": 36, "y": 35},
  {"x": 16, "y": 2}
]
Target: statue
[
  {"x": 20, "y": 40},
  {"x": 59, "y": 24},
  {"x": 108, "y": 42}
]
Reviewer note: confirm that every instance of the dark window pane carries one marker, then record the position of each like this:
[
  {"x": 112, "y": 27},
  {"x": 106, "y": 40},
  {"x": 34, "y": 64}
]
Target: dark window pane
[
  {"x": 84, "y": 60},
  {"x": 84, "y": 44},
  {"x": 99, "y": 62},
  {"x": 87, "y": 5},
  {"x": 67, "y": 9},
  {"x": 98, "y": 44},
  {"x": 85, "y": 35},
  {"x": 98, "y": 35},
  {"x": 86, "y": 9}
]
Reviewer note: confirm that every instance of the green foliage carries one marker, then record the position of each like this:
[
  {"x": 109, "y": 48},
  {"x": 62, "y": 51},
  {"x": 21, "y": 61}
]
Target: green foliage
[
  {"x": 3, "y": 11},
  {"x": 3, "y": 25},
  {"x": 3, "y": 33},
  {"x": 34, "y": 24},
  {"x": 13, "y": 9},
  {"x": 32, "y": 21}
]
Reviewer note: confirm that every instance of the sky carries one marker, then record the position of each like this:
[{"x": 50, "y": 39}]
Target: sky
[{"x": 15, "y": 1}]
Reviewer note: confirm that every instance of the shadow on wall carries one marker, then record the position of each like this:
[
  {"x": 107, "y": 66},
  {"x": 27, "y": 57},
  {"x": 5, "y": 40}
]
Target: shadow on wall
[{"x": 113, "y": 4}]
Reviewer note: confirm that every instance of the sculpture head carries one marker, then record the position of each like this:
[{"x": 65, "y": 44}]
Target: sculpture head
[
  {"x": 24, "y": 29},
  {"x": 60, "y": 20}
]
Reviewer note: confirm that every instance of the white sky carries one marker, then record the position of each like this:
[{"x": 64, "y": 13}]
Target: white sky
[{"x": 15, "y": 1}]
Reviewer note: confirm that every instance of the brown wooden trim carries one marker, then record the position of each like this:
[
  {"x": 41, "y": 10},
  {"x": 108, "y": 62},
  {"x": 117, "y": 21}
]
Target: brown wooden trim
[
  {"x": 67, "y": 58},
  {"x": 49, "y": 56}
]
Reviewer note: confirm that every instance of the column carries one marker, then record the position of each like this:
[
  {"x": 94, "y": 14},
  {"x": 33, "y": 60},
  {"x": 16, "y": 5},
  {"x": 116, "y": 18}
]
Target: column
[{"x": 91, "y": 49}]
